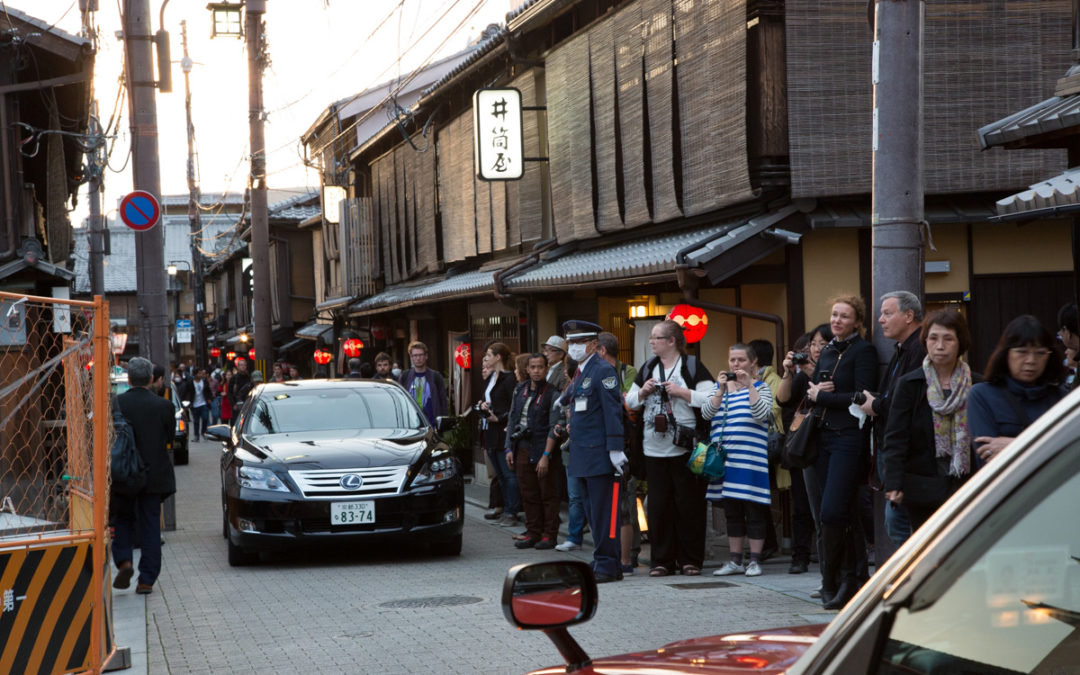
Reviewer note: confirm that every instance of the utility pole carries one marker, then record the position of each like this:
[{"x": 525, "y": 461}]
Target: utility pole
[
  {"x": 95, "y": 167},
  {"x": 199, "y": 288},
  {"x": 260, "y": 225},
  {"x": 149, "y": 244},
  {"x": 897, "y": 210}
]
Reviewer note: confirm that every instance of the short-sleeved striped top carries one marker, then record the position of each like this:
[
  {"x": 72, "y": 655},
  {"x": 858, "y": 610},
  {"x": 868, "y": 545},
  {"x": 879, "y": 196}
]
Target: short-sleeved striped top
[{"x": 743, "y": 431}]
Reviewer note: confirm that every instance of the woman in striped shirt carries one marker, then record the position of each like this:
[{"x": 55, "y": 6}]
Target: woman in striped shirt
[{"x": 740, "y": 410}]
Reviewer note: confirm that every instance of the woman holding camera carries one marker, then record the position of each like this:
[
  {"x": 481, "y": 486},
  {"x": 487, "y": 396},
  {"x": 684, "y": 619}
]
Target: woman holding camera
[
  {"x": 848, "y": 364},
  {"x": 494, "y": 410},
  {"x": 739, "y": 412},
  {"x": 668, "y": 387},
  {"x": 927, "y": 443}
]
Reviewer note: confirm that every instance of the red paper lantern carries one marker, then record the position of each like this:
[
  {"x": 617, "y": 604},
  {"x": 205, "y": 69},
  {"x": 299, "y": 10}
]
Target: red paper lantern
[
  {"x": 230, "y": 356},
  {"x": 379, "y": 331},
  {"x": 352, "y": 347},
  {"x": 463, "y": 355},
  {"x": 215, "y": 352},
  {"x": 251, "y": 353},
  {"x": 694, "y": 321},
  {"x": 322, "y": 357}
]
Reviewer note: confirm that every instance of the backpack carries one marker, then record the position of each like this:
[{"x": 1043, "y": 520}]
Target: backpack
[{"x": 129, "y": 471}]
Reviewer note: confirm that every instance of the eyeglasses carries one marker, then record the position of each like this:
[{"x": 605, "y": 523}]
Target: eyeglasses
[{"x": 1028, "y": 352}]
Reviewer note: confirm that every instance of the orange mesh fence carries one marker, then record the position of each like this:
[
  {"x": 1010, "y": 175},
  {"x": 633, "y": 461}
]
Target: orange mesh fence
[{"x": 47, "y": 412}]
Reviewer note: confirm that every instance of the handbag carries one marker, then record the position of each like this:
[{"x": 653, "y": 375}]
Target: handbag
[
  {"x": 707, "y": 461},
  {"x": 775, "y": 447},
  {"x": 924, "y": 491},
  {"x": 800, "y": 445}
]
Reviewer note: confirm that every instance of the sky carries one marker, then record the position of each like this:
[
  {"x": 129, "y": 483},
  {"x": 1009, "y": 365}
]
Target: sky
[{"x": 320, "y": 51}]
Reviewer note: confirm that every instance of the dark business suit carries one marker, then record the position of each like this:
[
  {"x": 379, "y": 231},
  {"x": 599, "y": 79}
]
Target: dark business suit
[
  {"x": 596, "y": 429},
  {"x": 153, "y": 422}
]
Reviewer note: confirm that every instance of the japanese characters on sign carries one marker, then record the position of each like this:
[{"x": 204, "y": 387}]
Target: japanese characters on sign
[{"x": 499, "y": 152}]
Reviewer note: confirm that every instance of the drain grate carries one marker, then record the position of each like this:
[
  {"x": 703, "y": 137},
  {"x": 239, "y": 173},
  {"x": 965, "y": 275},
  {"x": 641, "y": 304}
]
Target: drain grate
[
  {"x": 702, "y": 585},
  {"x": 435, "y": 601}
]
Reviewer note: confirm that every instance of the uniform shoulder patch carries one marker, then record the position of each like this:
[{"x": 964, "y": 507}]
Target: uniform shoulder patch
[{"x": 610, "y": 383}]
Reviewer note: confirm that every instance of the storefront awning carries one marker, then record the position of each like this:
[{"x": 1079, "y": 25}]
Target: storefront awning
[
  {"x": 1057, "y": 196},
  {"x": 1033, "y": 126},
  {"x": 334, "y": 303},
  {"x": 313, "y": 330},
  {"x": 463, "y": 285}
]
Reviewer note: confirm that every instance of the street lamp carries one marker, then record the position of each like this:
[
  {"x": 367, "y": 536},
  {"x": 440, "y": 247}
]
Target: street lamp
[{"x": 226, "y": 19}]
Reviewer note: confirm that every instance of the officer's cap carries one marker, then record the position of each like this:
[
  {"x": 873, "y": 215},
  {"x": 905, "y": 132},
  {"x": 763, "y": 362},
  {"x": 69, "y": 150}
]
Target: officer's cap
[{"x": 581, "y": 330}]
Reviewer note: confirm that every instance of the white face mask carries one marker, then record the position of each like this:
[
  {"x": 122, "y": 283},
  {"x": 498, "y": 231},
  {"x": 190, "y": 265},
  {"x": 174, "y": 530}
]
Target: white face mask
[
  {"x": 576, "y": 351},
  {"x": 396, "y": 372}
]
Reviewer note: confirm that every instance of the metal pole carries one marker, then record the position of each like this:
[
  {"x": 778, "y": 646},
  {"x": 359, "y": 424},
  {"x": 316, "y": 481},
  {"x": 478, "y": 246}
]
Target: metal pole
[
  {"x": 101, "y": 466},
  {"x": 149, "y": 245},
  {"x": 897, "y": 209},
  {"x": 260, "y": 226},
  {"x": 95, "y": 167},
  {"x": 198, "y": 286}
]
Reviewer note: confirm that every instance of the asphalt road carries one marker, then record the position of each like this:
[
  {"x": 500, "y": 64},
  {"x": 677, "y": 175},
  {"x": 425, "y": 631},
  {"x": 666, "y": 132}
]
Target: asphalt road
[{"x": 401, "y": 610}]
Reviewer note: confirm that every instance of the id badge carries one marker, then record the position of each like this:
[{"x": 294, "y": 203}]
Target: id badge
[{"x": 580, "y": 404}]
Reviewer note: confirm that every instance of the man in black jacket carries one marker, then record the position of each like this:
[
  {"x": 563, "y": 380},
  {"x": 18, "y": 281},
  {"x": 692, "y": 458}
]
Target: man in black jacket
[
  {"x": 527, "y": 428},
  {"x": 900, "y": 320},
  {"x": 152, "y": 420},
  {"x": 239, "y": 386}
]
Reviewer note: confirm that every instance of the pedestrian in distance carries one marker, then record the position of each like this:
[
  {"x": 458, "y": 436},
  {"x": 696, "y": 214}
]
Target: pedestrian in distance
[
  {"x": 554, "y": 350},
  {"x": 1069, "y": 334},
  {"x": 239, "y": 386},
  {"x": 527, "y": 428},
  {"x": 382, "y": 367},
  {"x": 927, "y": 448},
  {"x": 354, "y": 369},
  {"x": 153, "y": 423},
  {"x": 202, "y": 396},
  {"x": 848, "y": 364},
  {"x": 425, "y": 385},
  {"x": 1023, "y": 379},
  {"x": 596, "y": 443},
  {"x": 669, "y": 390}
]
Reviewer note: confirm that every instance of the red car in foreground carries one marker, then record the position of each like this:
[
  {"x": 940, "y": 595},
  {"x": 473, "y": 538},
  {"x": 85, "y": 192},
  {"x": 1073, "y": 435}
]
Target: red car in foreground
[{"x": 990, "y": 585}]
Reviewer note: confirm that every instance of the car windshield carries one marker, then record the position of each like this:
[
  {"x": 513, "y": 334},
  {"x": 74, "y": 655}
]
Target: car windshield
[{"x": 303, "y": 409}]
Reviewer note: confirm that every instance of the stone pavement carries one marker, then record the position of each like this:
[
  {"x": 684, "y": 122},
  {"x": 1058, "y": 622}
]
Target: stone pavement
[{"x": 400, "y": 610}]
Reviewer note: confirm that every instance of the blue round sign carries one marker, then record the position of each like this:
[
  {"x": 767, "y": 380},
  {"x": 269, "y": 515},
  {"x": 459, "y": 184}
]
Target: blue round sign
[{"x": 139, "y": 210}]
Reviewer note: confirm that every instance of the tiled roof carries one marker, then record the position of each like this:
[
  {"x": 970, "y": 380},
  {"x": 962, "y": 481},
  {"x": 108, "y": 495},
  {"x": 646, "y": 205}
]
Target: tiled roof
[
  {"x": 477, "y": 282},
  {"x": 642, "y": 257},
  {"x": 1054, "y": 114},
  {"x": 1060, "y": 194},
  {"x": 479, "y": 50}
]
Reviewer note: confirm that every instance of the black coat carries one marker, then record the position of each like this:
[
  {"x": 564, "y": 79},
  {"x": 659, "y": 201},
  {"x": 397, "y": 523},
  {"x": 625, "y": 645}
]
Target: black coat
[
  {"x": 153, "y": 419},
  {"x": 185, "y": 389},
  {"x": 501, "y": 393},
  {"x": 539, "y": 418},
  {"x": 909, "y": 435},
  {"x": 857, "y": 370},
  {"x": 239, "y": 386}
]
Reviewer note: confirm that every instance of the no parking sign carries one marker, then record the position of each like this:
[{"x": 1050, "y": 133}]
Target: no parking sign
[{"x": 139, "y": 210}]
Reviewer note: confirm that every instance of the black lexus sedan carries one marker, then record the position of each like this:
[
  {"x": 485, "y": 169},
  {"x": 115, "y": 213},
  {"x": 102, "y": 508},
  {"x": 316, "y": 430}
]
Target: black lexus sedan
[{"x": 336, "y": 460}]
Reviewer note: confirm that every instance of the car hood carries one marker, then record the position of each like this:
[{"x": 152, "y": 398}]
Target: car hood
[
  {"x": 768, "y": 651},
  {"x": 341, "y": 450}
]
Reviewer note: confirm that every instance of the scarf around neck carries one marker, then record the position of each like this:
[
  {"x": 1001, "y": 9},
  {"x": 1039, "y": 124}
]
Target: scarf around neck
[{"x": 951, "y": 435}]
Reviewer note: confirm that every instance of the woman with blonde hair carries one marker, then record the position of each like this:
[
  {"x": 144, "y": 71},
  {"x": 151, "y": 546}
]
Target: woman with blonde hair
[{"x": 848, "y": 364}]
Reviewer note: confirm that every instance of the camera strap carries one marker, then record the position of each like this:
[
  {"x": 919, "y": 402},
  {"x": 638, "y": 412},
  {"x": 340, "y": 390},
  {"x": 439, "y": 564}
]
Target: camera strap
[{"x": 665, "y": 400}]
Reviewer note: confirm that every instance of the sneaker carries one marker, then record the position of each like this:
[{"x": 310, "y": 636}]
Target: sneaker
[
  {"x": 729, "y": 568},
  {"x": 816, "y": 593},
  {"x": 567, "y": 546},
  {"x": 508, "y": 520},
  {"x": 753, "y": 569},
  {"x": 525, "y": 543},
  {"x": 544, "y": 544},
  {"x": 628, "y": 570},
  {"x": 493, "y": 514}
]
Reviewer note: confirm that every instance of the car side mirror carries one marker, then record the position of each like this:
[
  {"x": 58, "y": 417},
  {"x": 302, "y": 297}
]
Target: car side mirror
[
  {"x": 444, "y": 424},
  {"x": 551, "y": 596},
  {"x": 220, "y": 432}
]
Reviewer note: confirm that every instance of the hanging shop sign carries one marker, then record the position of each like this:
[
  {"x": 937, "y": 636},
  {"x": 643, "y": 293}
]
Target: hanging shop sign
[{"x": 499, "y": 148}]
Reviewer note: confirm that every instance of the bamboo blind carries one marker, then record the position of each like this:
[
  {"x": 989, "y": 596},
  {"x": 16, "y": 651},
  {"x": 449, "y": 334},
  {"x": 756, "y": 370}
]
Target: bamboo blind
[
  {"x": 630, "y": 68},
  {"x": 524, "y": 207},
  {"x": 982, "y": 62},
  {"x": 658, "y": 89},
  {"x": 603, "y": 83},
  {"x": 569, "y": 139}
]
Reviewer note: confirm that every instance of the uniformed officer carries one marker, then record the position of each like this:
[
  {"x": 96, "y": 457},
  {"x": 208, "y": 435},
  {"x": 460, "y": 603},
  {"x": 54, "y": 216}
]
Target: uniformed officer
[{"x": 596, "y": 443}]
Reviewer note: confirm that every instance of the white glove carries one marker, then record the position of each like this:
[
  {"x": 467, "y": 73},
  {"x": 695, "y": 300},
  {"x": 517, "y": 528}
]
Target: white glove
[
  {"x": 618, "y": 460},
  {"x": 858, "y": 414}
]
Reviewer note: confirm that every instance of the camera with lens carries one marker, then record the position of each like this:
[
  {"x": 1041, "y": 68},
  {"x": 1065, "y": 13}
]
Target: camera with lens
[
  {"x": 519, "y": 432},
  {"x": 560, "y": 432},
  {"x": 731, "y": 377},
  {"x": 684, "y": 437},
  {"x": 858, "y": 398},
  {"x": 800, "y": 358},
  {"x": 478, "y": 407}
]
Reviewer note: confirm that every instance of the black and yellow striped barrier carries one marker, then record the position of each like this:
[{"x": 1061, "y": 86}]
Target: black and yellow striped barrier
[{"x": 45, "y": 617}]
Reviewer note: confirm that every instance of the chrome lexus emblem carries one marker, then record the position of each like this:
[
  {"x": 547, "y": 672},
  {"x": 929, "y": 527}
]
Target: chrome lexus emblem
[{"x": 351, "y": 481}]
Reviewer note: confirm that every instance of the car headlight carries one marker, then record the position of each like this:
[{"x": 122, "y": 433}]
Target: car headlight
[
  {"x": 439, "y": 467},
  {"x": 260, "y": 479}
]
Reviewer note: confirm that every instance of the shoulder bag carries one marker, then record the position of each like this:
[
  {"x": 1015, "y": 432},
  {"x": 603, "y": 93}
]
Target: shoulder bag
[{"x": 800, "y": 444}]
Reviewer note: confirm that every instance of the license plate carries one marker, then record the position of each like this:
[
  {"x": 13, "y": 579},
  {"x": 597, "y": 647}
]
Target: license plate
[{"x": 352, "y": 513}]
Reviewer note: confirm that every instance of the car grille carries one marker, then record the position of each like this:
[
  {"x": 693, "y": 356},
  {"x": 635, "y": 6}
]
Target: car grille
[{"x": 325, "y": 483}]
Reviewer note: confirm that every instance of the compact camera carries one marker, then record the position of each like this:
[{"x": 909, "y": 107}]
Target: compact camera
[
  {"x": 800, "y": 358},
  {"x": 478, "y": 407},
  {"x": 560, "y": 432},
  {"x": 731, "y": 377},
  {"x": 660, "y": 423}
]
